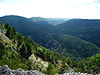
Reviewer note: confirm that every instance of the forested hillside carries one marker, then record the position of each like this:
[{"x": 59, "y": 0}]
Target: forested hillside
[
  {"x": 90, "y": 65},
  {"x": 67, "y": 38},
  {"x": 86, "y": 29},
  {"x": 76, "y": 47},
  {"x": 19, "y": 51},
  {"x": 40, "y": 32},
  {"x": 76, "y": 39}
]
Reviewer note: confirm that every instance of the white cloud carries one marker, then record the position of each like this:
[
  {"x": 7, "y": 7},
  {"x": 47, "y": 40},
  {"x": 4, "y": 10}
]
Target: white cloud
[{"x": 51, "y": 8}]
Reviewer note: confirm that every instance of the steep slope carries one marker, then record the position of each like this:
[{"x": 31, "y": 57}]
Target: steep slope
[
  {"x": 51, "y": 37},
  {"x": 18, "y": 51},
  {"x": 22, "y": 52},
  {"x": 90, "y": 65},
  {"x": 75, "y": 47},
  {"x": 40, "y": 31},
  {"x": 86, "y": 29}
]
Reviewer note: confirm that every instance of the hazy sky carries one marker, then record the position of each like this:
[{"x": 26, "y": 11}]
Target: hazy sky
[{"x": 51, "y": 8}]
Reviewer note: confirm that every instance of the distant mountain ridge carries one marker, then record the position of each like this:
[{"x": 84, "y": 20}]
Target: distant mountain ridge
[
  {"x": 52, "y": 21},
  {"x": 36, "y": 30},
  {"x": 19, "y": 51},
  {"x": 51, "y": 36}
]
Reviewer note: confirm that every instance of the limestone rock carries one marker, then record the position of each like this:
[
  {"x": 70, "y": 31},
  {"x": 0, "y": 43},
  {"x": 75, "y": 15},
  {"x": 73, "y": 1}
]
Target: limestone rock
[{"x": 5, "y": 70}]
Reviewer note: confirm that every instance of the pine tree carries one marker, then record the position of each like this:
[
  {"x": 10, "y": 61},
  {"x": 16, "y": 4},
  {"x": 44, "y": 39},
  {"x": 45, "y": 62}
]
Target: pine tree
[
  {"x": 8, "y": 33},
  {"x": 14, "y": 30},
  {"x": 24, "y": 51},
  {"x": 6, "y": 26},
  {"x": 1, "y": 50},
  {"x": 14, "y": 33}
]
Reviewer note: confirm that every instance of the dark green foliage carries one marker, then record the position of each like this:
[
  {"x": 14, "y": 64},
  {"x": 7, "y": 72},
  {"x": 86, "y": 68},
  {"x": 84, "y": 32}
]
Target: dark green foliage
[
  {"x": 1, "y": 27},
  {"x": 1, "y": 50},
  {"x": 6, "y": 26},
  {"x": 86, "y": 29},
  {"x": 74, "y": 47},
  {"x": 9, "y": 32},
  {"x": 90, "y": 65},
  {"x": 51, "y": 70},
  {"x": 48, "y": 55},
  {"x": 40, "y": 32},
  {"x": 17, "y": 57},
  {"x": 70, "y": 62},
  {"x": 50, "y": 67},
  {"x": 11, "y": 58},
  {"x": 20, "y": 39},
  {"x": 14, "y": 31},
  {"x": 71, "y": 46},
  {"x": 25, "y": 47},
  {"x": 95, "y": 63},
  {"x": 29, "y": 47},
  {"x": 23, "y": 51},
  {"x": 48, "y": 35}
]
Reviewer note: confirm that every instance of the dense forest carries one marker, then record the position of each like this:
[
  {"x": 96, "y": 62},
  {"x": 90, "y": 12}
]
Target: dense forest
[
  {"x": 75, "y": 42},
  {"x": 86, "y": 29},
  {"x": 15, "y": 51},
  {"x": 83, "y": 32}
]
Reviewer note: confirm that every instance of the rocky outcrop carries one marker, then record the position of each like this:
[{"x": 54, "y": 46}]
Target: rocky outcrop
[
  {"x": 78, "y": 74},
  {"x": 38, "y": 62},
  {"x": 4, "y": 37},
  {"x": 5, "y": 70}
]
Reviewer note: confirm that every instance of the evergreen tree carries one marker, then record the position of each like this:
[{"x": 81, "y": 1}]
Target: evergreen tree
[
  {"x": 14, "y": 33},
  {"x": 8, "y": 33},
  {"x": 24, "y": 51},
  {"x": 14, "y": 30},
  {"x": 1, "y": 50},
  {"x": 29, "y": 47},
  {"x": 6, "y": 26}
]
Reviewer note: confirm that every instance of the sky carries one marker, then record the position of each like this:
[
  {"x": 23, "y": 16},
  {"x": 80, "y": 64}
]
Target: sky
[{"x": 87, "y": 9}]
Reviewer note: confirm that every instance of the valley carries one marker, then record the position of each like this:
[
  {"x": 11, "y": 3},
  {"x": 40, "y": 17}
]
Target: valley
[
  {"x": 51, "y": 45},
  {"x": 54, "y": 37}
]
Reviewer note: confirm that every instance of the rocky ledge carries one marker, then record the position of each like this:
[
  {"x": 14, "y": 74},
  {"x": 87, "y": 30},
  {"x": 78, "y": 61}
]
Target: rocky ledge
[{"x": 5, "y": 70}]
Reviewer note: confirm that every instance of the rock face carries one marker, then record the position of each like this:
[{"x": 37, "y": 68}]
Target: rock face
[{"x": 5, "y": 70}]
